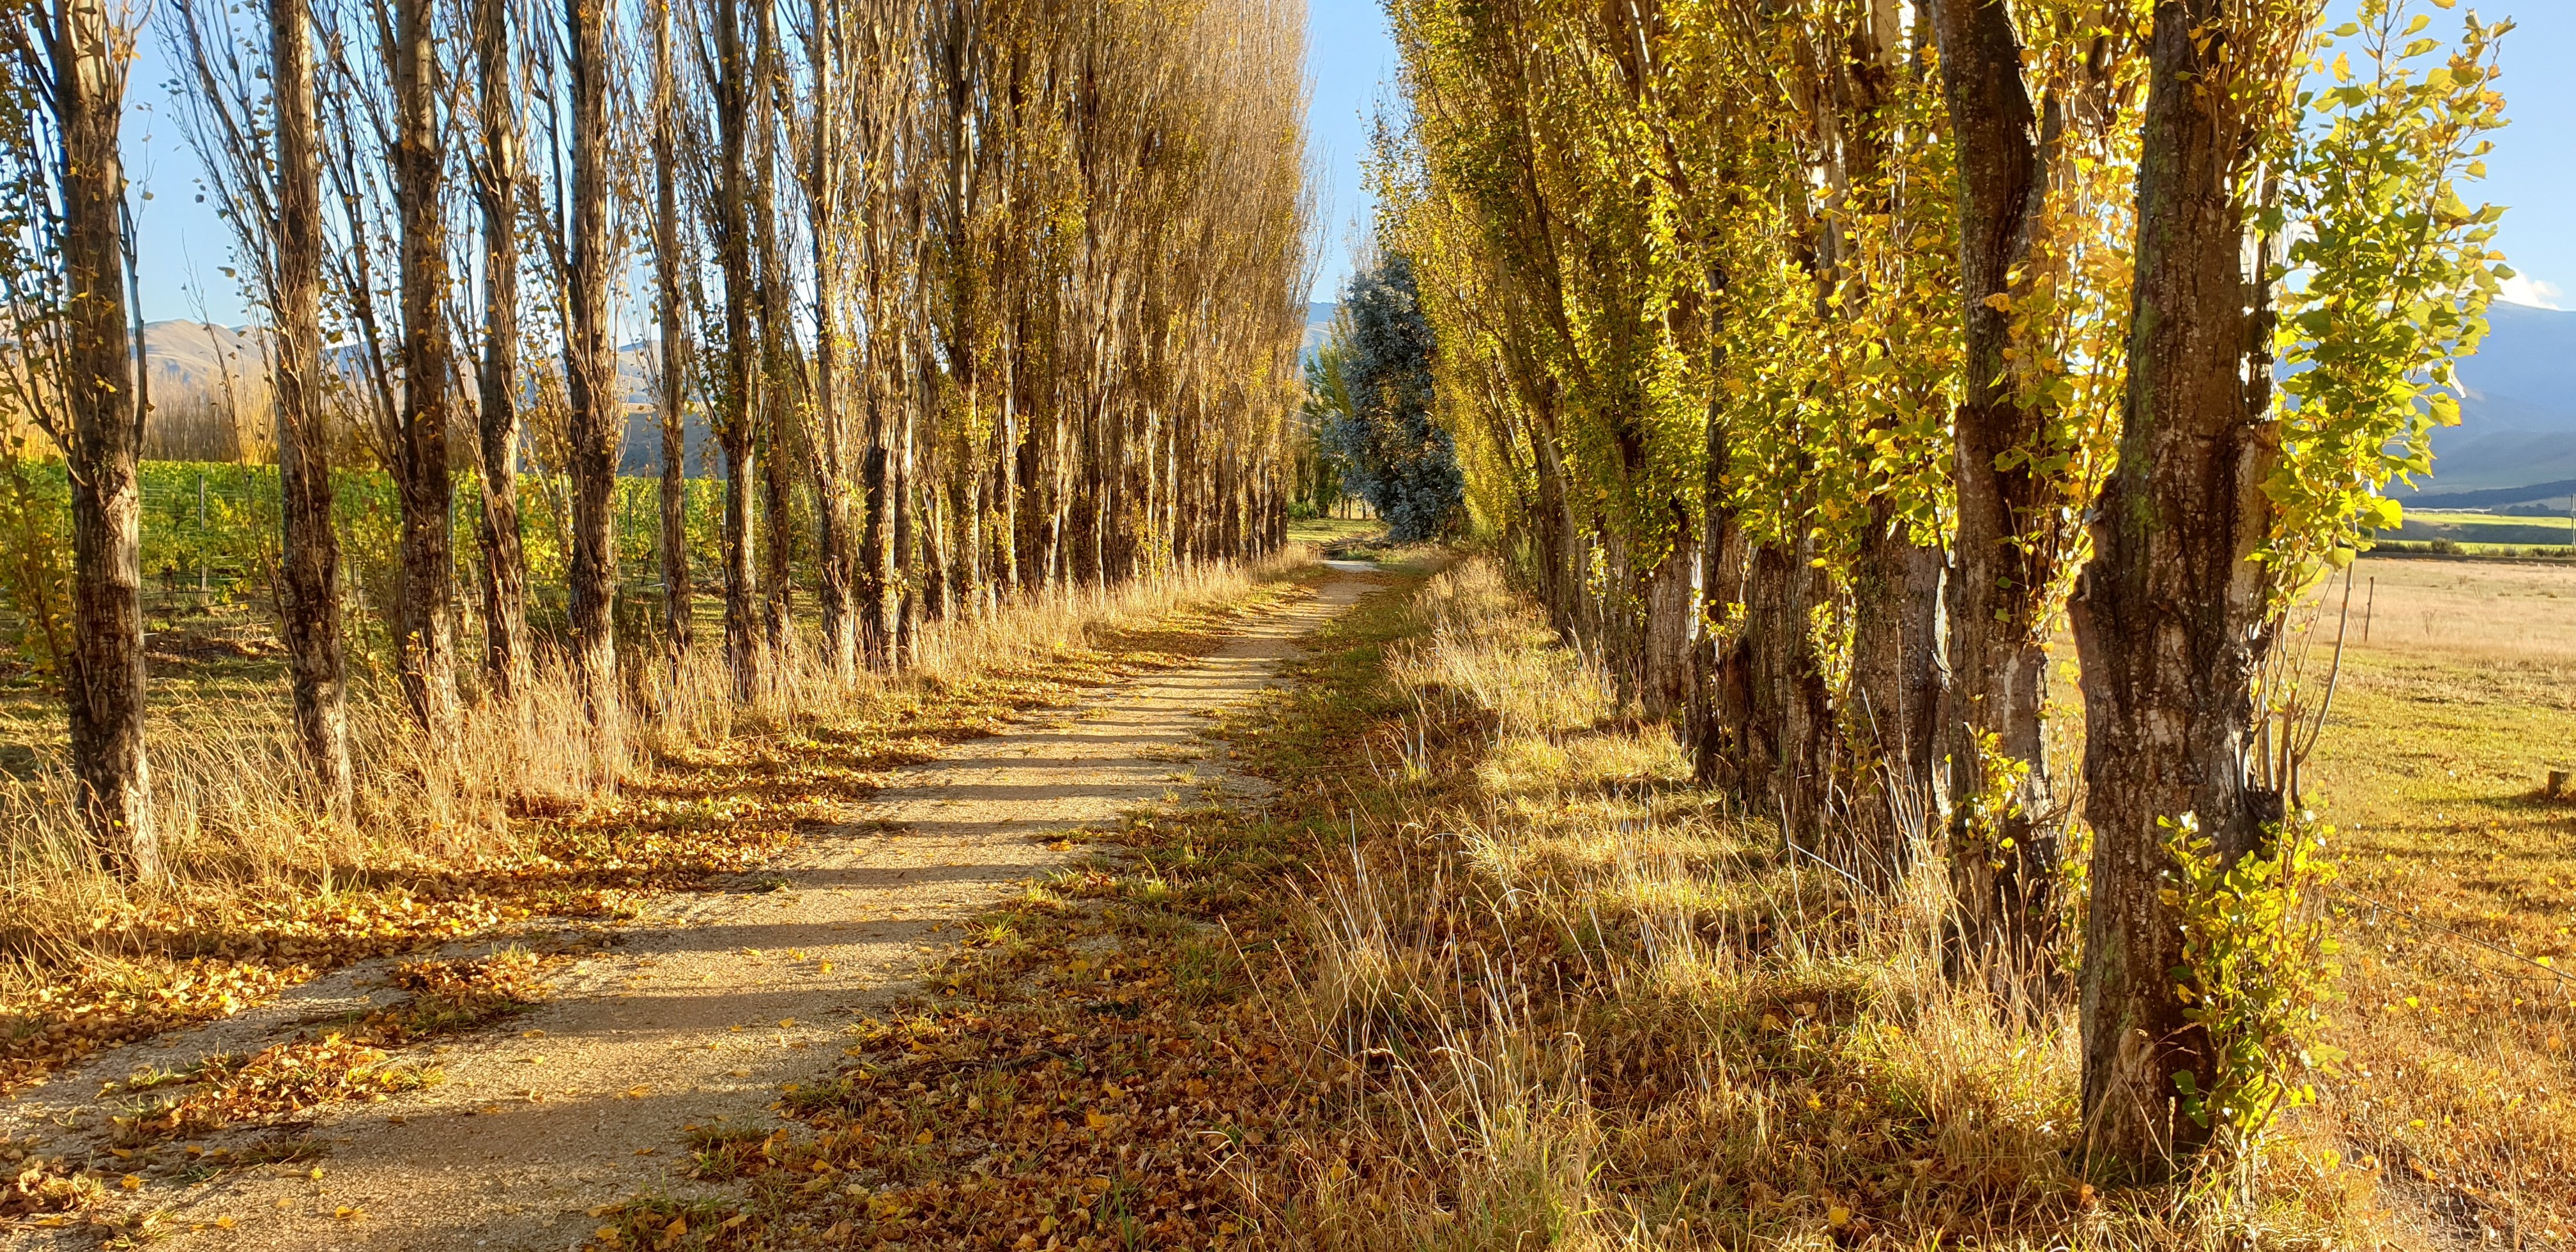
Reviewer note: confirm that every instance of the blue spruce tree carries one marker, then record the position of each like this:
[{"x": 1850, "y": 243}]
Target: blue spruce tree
[{"x": 1396, "y": 457}]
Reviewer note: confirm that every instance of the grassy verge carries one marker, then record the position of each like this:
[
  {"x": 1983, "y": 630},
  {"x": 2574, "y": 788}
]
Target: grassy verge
[
  {"x": 266, "y": 897},
  {"x": 1482, "y": 971},
  {"x": 2458, "y": 902}
]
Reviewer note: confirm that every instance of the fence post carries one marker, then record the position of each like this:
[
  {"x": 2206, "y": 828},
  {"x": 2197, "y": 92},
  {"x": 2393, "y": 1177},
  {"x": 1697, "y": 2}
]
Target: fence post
[{"x": 201, "y": 533}]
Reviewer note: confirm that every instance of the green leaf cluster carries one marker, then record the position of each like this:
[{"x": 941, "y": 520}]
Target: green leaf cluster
[
  {"x": 2257, "y": 974},
  {"x": 2391, "y": 275}
]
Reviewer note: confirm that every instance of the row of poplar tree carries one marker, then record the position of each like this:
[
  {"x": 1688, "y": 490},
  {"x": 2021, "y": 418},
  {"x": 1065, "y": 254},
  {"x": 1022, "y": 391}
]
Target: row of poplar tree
[
  {"x": 1816, "y": 361},
  {"x": 1010, "y": 290}
]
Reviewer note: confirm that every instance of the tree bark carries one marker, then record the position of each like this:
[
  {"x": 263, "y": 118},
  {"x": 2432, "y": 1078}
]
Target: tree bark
[
  {"x": 506, "y": 658},
  {"x": 1762, "y": 728},
  {"x": 2003, "y": 864},
  {"x": 673, "y": 391},
  {"x": 777, "y": 382},
  {"x": 103, "y": 669},
  {"x": 830, "y": 460},
  {"x": 309, "y": 564},
  {"x": 1897, "y": 683},
  {"x": 1664, "y": 686},
  {"x": 732, "y": 227},
  {"x": 426, "y": 659},
  {"x": 1720, "y": 698},
  {"x": 2171, "y": 620},
  {"x": 596, "y": 420}
]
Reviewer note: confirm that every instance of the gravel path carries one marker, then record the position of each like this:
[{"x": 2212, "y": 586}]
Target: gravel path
[{"x": 697, "y": 1012}]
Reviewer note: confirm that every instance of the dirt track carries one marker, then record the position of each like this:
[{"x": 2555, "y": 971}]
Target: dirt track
[{"x": 697, "y": 1012}]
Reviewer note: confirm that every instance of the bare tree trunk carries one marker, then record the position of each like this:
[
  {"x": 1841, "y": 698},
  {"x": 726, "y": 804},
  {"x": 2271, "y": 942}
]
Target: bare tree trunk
[
  {"x": 1769, "y": 633},
  {"x": 905, "y": 563},
  {"x": 597, "y": 412},
  {"x": 506, "y": 658},
  {"x": 671, "y": 313},
  {"x": 1809, "y": 808},
  {"x": 2171, "y": 622},
  {"x": 734, "y": 419},
  {"x": 426, "y": 650},
  {"x": 1664, "y": 678},
  {"x": 777, "y": 394},
  {"x": 309, "y": 568},
  {"x": 1717, "y": 701},
  {"x": 876, "y": 568},
  {"x": 830, "y": 459},
  {"x": 103, "y": 669},
  {"x": 2003, "y": 864},
  {"x": 1896, "y": 686}
]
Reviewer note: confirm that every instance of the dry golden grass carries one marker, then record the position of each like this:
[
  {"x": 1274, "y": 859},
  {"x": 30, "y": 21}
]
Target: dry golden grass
[
  {"x": 2459, "y": 894},
  {"x": 2485, "y": 611},
  {"x": 530, "y": 809},
  {"x": 1578, "y": 1003}
]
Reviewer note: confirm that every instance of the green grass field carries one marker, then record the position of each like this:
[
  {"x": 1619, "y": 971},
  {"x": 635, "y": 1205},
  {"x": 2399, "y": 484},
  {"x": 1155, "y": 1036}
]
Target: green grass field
[
  {"x": 1321, "y": 531},
  {"x": 2485, "y": 530}
]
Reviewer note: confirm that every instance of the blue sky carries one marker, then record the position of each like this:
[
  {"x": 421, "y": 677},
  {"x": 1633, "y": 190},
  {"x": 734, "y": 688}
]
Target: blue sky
[
  {"x": 1352, "y": 61},
  {"x": 2533, "y": 170}
]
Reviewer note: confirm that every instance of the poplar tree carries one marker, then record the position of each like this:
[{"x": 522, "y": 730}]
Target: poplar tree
[
  {"x": 597, "y": 413},
  {"x": 673, "y": 363},
  {"x": 267, "y": 180},
  {"x": 2233, "y": 493},
  {"x": 77, "y": 374},
  {"x": 497, "y": 175}
]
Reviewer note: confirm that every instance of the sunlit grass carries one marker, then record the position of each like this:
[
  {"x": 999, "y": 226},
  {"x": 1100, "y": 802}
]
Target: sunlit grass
[
  {"x": 529, "y": 809},
  {"x": 2459, "y": 882}
]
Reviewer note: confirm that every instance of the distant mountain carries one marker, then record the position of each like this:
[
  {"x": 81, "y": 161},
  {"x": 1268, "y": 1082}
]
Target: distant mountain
[
  {"x": 2518, "y": 419},
  {"x": 1319, "y": 318},
  {"x": 187, "y": 358},
  {"x": 187, "y": 364}
]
